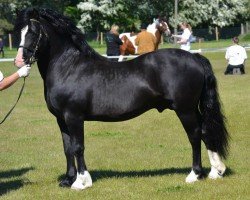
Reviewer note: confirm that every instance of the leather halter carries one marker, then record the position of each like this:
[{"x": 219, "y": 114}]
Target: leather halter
[{"x": 33, "y": 58}]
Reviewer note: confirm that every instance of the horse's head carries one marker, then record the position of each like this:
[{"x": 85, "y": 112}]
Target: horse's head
[
  {"x": 31, "y": 31},
  {"x": 162, "y": 27}
]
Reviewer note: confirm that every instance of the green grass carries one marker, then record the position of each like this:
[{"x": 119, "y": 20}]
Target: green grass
[
  {"x": 144, "y": 158},
  {"x": 245, "y": 38}
]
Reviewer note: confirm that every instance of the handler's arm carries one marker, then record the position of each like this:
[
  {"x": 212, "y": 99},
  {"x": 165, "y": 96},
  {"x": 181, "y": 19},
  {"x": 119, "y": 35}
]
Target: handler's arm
[
  {"x": 182, "y": 41},
  {"x": 119, "y": 41},
  {"x": 8, "y": 81},
  {"x": 177, "y": 36}
]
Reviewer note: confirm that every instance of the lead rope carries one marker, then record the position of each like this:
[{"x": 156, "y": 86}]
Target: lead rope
[
  {"x": 20, "y": 94},
  {"x": 31, "y": 61}
]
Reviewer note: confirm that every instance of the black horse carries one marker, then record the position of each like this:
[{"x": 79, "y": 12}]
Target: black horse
[{"x": 81, "y": 85}]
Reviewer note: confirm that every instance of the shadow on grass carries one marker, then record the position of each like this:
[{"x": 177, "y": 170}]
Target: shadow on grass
[
  {"x": 100, "y": 174},
  {"x": 229, "y": 172},
  {"x": 104, "y": 174},
  {"x": 7, "y": 186}
]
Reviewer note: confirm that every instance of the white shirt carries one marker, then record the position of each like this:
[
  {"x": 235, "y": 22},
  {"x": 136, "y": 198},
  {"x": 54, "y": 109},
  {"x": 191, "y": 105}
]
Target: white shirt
[
  {"x": 1, "y": 76},
  {"x": 236, "y": 55},
  {"x": 186, "y": 35}
]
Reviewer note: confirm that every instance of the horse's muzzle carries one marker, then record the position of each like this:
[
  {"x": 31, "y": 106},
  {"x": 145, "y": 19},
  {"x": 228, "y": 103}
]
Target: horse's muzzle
[{"x": 19, "y": 61}]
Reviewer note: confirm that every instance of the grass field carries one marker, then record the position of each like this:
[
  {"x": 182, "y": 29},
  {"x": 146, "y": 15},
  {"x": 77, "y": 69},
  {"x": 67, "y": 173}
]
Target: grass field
[{"x": 144, "y": 158}]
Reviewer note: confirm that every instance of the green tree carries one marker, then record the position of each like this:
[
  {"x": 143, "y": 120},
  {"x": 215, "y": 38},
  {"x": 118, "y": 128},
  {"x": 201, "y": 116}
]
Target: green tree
[
  {"x": 213, "y": 12},
  {"x": 73, "y": 12},
  {"x": 127, "y": 14},
  {"x": 5, "y": 27},
  {"x": 7, "y": 13},
  {"x": 146, "y": 10},
  {"x": 99, "y": 14}
]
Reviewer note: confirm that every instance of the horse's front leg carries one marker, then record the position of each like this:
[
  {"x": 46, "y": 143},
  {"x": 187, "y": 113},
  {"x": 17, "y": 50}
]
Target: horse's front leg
[
  {"x": 71, "y": 168},
  {"x": 75, "y": 127}
]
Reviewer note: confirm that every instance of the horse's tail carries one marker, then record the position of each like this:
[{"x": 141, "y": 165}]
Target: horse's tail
[{"x": 214, "y": 132}]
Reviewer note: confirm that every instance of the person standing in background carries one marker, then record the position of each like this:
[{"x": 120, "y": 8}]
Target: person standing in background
[
  {"x": 1, "y": 47},
  {"x": 113, "y": 42},
  {"x": 184, "y": 38},
  {"x": 145, "y": 41}
]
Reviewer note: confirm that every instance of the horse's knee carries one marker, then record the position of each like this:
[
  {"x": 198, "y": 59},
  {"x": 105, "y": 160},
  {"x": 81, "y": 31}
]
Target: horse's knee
[
  {"x": 78, "y": 149},
  {"x": 68, "y": 151}
]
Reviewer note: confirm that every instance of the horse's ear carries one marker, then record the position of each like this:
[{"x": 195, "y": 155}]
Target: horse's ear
[{"x": 34, "y": 14}]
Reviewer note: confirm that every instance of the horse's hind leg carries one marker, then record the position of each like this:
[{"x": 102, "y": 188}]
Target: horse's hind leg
[
  {"x": 75, "y": 127},
  {"x": 191, "y": 123},
  {"x": 71, "y": 168},
  {"x": 218, "y": 168}
]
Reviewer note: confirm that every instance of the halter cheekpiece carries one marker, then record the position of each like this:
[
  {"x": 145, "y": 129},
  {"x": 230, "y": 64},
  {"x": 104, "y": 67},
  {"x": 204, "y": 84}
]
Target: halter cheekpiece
[{"x": 33, "y": 58}]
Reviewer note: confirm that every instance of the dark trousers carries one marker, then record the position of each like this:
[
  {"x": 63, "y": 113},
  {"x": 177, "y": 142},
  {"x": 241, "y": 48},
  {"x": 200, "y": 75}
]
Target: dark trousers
[
  {"x": 2, "y": 51},
  {"x": 230, "y": 69}
]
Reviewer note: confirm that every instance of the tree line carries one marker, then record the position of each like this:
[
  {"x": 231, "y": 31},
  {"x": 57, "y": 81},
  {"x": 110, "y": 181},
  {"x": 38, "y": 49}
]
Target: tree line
[{"x": 99, "y": 15}]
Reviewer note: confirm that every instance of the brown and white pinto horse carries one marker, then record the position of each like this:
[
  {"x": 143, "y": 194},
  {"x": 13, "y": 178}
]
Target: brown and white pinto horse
[{"x": 129, "y": 47}]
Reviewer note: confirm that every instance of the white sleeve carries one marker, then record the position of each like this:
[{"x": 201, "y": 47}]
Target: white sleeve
[
  {"x": 1, "y": 76},
  {"x": 186, "y": 34},
  {"x": 244, "y": 54},
  {"x": 226, "y": 56}
]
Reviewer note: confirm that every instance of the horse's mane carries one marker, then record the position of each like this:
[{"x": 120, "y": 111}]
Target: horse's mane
[{"x": 62, "y": 25}]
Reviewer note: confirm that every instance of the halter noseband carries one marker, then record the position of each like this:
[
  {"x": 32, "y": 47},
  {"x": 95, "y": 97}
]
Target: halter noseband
[{"x": 33, "y": 58}]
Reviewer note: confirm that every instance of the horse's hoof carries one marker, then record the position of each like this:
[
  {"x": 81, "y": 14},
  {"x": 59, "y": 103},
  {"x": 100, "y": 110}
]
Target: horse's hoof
[
  {"x": 83, "y": 181},
  {"x": 67, "y": 182},
  {"x": 77, "y": 185},
  {"x": 192, "y": 177},
  {"x": 215, "y": 173}
]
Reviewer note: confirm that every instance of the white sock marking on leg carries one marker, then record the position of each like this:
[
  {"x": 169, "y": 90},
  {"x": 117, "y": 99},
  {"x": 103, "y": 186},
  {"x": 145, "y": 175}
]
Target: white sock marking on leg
[
  {"x": 217, "y": 166},
  {"x": 82, "y": 181},
  {"x": 192, "y": 177}
]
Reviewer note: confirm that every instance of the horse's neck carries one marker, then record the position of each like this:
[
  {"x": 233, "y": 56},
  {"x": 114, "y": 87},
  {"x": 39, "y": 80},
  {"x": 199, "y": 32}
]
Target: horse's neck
[
  {"x": 152, "y": 28},
  {"x": 54, "y": 41},
  {"x": 62, "y": 50},
  {"x": 52, "y": 46}
]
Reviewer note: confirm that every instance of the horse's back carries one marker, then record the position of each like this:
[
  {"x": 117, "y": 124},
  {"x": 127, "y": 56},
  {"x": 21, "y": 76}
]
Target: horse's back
[{"x": 179, "y": 74}]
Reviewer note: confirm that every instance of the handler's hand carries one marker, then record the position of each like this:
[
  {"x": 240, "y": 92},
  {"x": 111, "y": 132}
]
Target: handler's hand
[{"x": 24, "y": 71}]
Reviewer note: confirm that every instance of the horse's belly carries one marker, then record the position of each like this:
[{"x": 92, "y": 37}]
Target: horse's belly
[
  {"x": 114, "y": 117},
  {"x": 121, "y": 107}
]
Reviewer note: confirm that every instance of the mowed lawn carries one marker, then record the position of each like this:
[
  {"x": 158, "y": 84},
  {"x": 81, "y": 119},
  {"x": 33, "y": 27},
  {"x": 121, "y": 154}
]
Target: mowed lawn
[{"x": 144, "y": 158}]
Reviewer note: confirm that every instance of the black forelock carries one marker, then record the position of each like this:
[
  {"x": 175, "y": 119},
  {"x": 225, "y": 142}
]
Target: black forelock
[{"x": 23, "y": 19}]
